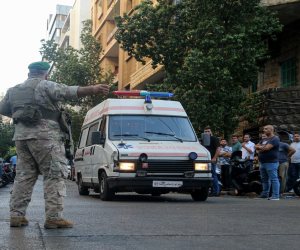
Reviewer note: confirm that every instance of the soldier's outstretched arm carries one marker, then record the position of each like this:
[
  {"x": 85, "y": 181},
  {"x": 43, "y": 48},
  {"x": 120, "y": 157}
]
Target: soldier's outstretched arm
[{"x": 93, "y": 90}]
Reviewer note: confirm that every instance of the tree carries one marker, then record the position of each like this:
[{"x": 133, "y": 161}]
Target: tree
[
  {"x": 78, "y": 67},
  {"x": 210, "y": 50},
  {"x": 6, "y": 135}
]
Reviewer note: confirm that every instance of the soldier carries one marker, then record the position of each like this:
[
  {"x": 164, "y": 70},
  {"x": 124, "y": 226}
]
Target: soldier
[{"x": 33, "y": 105}]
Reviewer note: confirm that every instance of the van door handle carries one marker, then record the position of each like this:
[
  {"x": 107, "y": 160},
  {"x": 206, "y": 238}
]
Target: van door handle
[{"x": 92, "y": 150}]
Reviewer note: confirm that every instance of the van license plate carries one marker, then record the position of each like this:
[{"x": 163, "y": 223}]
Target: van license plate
[{"x": 170, "y": 184}]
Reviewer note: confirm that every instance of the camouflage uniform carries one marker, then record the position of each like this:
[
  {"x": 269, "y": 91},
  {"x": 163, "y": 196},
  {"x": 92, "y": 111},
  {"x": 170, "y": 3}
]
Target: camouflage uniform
[{"x": 40, "y": 150}]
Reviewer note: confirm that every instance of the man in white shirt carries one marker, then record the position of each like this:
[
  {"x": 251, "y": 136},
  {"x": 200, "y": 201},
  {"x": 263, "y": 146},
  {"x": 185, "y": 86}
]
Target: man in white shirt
[
  {"x": 294, "y": 168},
  {"x": 248, "y": 149}
]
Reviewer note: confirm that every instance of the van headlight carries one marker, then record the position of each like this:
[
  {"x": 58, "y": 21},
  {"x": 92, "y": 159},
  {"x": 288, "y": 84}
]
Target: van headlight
[
  {"x": 126, "y": 166},
  {"x": 201, "y": 166}
]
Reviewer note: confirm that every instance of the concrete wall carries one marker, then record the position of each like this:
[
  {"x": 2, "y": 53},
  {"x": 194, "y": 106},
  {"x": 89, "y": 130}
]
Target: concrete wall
[{"x": 282, "y": 108}]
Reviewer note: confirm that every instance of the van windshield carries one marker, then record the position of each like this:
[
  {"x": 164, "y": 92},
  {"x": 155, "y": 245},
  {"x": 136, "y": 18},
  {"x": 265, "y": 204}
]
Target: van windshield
[{"x": 150, "y": 127}]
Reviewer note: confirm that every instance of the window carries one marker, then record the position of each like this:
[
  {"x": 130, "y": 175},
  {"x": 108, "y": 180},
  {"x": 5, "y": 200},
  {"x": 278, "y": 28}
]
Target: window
[
  {"x": 254, "y": 86},
  {"x": 288, "y": 72},
  {"x": 92, "y": 129},
  {"x": 154, "y": 128},
  {"x": 83, "y": 137}
]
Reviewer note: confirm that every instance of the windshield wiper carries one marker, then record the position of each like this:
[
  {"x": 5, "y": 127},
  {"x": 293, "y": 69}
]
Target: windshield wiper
[
  {"x": 159, "y": 133},
  {"x": 133, "y": 135}
]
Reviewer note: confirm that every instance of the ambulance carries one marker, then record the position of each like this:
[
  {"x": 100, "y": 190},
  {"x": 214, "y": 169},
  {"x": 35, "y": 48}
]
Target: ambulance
[{"x": 141, "y": 145}]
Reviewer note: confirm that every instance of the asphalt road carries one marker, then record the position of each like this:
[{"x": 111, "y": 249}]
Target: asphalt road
[{"x": 171, "y": 221}]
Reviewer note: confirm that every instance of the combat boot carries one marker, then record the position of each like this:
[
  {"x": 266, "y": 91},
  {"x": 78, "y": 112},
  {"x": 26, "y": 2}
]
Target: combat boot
[
  {"x": 57, "y": 223},
  {"x": 18, "y": 221}
]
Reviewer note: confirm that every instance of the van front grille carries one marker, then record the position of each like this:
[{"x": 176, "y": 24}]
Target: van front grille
[{"x": 168, "y": 166}]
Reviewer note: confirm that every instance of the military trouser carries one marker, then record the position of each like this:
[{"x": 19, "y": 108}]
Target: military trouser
[
  {"x": 282, "y": 172},
  {"x": 46, "y": 157}
]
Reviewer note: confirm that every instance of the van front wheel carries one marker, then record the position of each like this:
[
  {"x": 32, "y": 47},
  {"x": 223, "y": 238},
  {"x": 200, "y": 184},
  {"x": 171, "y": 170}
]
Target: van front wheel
[
  {"x": 83, "y": 190},
  {"x": 106, "y": 194},
  {"x": 200, "y": 194}
]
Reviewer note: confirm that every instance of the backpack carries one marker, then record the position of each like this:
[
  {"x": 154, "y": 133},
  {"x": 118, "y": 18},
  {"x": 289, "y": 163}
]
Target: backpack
[{"x": 23, "y": 104}]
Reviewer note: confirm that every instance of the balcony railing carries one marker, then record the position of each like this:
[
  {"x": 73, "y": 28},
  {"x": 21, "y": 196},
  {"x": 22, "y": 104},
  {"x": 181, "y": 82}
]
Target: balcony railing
[
  {"x": 109, "y": 2},
  {"x": 111, "y": 35},
  {"x": 143, "y": 73}
]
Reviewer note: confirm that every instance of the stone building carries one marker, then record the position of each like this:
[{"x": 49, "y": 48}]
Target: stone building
[{"x": 279, "y": 78}]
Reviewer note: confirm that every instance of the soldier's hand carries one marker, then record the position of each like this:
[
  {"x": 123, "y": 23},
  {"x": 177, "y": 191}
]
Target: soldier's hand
[{"x": 101, "y": 89}]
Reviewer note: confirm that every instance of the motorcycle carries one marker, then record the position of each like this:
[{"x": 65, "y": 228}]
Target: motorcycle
[
  {"x": 296, "y": 187},
  {"x": 8, "y": 175},
  {"x": 243, "y": 178}
]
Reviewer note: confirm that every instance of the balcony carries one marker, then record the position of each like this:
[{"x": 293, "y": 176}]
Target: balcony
[
  {"x": 112, "y": 50},
  {"x": 277, "y": 2},
  {"x": 288, "y": 10},
  {"x": 108, "y": 16},
  {"x": 111, "y": 35},
  {"x": 146, "y": 74},
  {"x": 113, "y": 9},
  {"x": 109, "y": 2}
]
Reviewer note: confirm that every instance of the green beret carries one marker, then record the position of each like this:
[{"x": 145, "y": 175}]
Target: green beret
[{"x": 39, "y": 66}]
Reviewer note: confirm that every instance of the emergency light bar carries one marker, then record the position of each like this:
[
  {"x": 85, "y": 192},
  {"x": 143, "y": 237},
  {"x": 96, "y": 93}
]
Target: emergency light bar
[{"x": 143, "y": 93}]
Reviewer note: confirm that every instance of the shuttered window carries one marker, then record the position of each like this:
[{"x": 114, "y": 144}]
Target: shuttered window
[{"x": 288, "y": 73}]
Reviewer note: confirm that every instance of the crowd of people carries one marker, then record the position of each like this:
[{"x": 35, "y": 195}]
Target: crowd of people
[{"x": 277, "y": 161}]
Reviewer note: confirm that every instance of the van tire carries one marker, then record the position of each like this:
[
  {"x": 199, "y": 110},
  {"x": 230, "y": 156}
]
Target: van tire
[
  {"x": 105, "y": 193},
  {"x": 83, "y": 190},
  {"x": 200, "y": 194}
]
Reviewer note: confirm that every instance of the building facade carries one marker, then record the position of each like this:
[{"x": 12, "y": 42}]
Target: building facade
[
  {"x": 56, "y": 21},
  {"x": 129, "y": 73},
  {"x": 73, "y": 25},
  {"x": 279, "y": 78}
]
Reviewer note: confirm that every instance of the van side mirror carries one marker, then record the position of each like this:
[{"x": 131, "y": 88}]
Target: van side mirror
[
  {"x": 205, "y": 139},
  {"x": 98, "y": 138}
]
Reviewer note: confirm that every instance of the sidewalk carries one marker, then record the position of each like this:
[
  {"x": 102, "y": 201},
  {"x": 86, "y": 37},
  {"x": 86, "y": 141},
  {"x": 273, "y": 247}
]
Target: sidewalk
[{"x": 22, "y": 238}]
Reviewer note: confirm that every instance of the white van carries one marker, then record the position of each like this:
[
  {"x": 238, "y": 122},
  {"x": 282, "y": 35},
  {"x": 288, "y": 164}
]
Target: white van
[{"x": 148, "y": 147}]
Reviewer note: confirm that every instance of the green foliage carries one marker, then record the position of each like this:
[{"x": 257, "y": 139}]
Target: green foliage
[
  {"x": 11, "y": 152},
  {"x": 210, "y": 50},
  {"x": 6, "y": 135},
  {"x": 252, "y": 108},
  {"x": 78, "y": 68}
]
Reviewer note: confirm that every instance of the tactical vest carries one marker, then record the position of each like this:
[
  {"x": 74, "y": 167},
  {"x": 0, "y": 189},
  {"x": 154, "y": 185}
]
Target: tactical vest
[{"x": 24, "y": 107}]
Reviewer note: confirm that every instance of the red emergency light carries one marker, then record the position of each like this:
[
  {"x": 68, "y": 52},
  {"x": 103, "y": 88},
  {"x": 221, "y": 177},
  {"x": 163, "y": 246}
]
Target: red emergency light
[{"x": 143, "y": 93}]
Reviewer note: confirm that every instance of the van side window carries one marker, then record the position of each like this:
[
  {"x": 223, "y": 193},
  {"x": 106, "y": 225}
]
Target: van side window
[
  {"x": 92, "y": 129},
  {"x": 83, "y": 137},
  {"x": 102, "y": 125}
]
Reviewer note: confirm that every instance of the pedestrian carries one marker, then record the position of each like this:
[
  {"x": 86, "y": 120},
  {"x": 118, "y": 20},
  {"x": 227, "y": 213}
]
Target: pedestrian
[
  {"x": 268, "y": 158},
  {"x": 294, "y": 168},
  {"x": 285, "y": 152},
  {"x": 34, "y": 107},
  {"x": 235, "y": 143},
  {"x": 263, "y": 137},
  {"x": 213, "y": 148},
  {"x": 248, "y": 151},
  {"x": 13, "y": 161},
  {"x": 224, "y": 162},
  {"x": 1, "y": 168}
]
